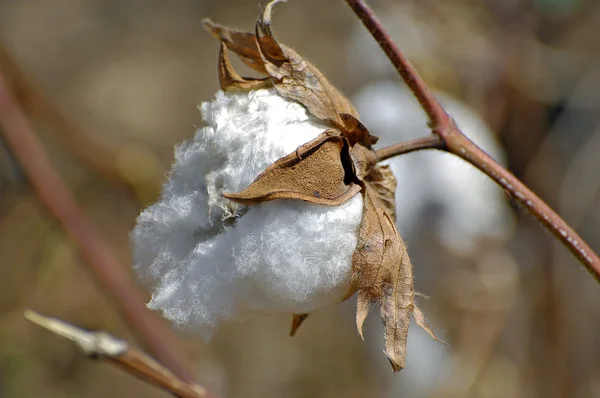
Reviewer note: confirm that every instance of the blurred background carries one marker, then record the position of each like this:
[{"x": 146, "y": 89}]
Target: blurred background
[{"x": 111, "y": 86}]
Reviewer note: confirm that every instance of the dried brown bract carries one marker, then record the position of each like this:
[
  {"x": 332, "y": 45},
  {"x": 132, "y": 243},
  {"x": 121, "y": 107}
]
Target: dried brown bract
[
  {"x": 330, "y": 170},
  {"x": 320, "y": 171},
  {"x": 290, "y": 74},
  {"x": 381, "y": 266}
]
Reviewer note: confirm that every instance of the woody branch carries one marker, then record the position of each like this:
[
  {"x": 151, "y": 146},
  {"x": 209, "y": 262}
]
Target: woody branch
[
  {"x": 102, "y": 346},
  {"x": 448, "y": 137}
]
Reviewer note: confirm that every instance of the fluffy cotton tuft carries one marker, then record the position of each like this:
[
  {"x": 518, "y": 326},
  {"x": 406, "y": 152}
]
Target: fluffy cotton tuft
[{"x": 208, "y": 259}]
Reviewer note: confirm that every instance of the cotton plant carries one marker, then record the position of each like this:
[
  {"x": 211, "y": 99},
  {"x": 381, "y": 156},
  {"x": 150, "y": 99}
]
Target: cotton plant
[{"x": 277, "y": 205}]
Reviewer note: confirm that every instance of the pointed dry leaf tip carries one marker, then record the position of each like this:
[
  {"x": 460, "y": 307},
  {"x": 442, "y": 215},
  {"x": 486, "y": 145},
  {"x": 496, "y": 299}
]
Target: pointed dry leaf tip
[
  {"x": 420, "y": 320},
  {"x": 242, "y": 43},
  {"x": 293, "y": 77},
  {"x": 319, "y": 172},
  {"x": 270, "y": 49},
  {"x": 297, "y": 320},
  {"x": 363, "y": 306},
  {"x": 230, "y": 80}
]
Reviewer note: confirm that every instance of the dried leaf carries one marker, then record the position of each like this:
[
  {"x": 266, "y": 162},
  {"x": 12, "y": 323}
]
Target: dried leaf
[
  {"x": 242, "y": 43},
  {"x": 382, "y": 271},
  {"x": 296, "y": 78},
  {"x": 420, "y": 320},
  {"x": 382, "y": 264},
  {"x": 355, "y": 131},
  {"x": 293, "y": 77},
  {"x": 320, "y": 172},
  {"x": 363, "y": 160},
  {"x": 230, "y": 80},
  {"x": 382, "y": 180},
  {"x": 363, "y": 306}
]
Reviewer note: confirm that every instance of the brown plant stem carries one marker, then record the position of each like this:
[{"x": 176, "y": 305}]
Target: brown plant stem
[
  {"x": 100, "y": 258},
  {"x": 455, "y": 142},
  {"x": 102, "y": 346},
  {"x": 432, "y": 141}
]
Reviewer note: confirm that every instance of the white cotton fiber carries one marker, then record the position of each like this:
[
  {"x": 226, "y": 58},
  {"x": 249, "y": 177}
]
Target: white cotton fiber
[{"x": 208, "y": 259}]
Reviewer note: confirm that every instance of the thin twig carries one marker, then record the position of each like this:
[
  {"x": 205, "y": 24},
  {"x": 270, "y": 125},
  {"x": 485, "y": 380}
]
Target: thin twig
[
  {"x": 458, "y": 144},
  {"x": 430, "y": 142},
  {"x": 102, "y": 346},
  {"x": 100, "y": 257},
  {"x": 432, "y": 107}
]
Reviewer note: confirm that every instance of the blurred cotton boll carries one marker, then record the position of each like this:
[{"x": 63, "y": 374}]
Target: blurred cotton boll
[
  {"x": 208, "y": 259},
  {"x": 469, "y": 204}
]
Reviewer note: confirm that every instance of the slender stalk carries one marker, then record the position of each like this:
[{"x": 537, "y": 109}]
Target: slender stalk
[
  {"x": 430, "y": 142},
  {"x": 102, "y": 261},
  {"x": 430, "y": 104},
  {"x": 102, "y": 346},
  {"x": 455, "y": 142}
]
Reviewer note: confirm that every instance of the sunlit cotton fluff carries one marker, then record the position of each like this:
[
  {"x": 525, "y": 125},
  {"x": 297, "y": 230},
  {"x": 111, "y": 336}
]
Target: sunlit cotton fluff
[{"x": 208, "y": 259}]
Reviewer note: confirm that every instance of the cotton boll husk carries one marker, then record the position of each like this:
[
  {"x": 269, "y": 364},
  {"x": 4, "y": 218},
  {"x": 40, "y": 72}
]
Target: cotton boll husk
[
  {"x": 471, "y": 204},
  {"x": 208, "y": 259}
]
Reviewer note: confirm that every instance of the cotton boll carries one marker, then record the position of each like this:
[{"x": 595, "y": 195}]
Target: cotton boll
[
  {"x": 209, "y": 259},
  {"x": 471, "y": 205},
  {"x": 281, "y": 257}
]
